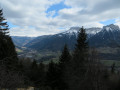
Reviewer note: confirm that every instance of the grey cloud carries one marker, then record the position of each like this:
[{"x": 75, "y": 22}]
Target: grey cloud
[
  {"x": 101, "y": 7},
  {"x": 27, "y": 13}
]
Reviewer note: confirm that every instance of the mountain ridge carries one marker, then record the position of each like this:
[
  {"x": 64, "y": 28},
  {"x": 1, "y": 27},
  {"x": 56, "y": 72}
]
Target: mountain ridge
[
  {"x": 57, "y": 41},
  {"x": 98, "y": 37}
]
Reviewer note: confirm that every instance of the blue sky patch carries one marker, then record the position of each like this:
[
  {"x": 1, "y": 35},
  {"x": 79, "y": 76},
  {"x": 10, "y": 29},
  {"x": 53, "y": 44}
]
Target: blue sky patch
[
  {"x": 61, "y": 28},
  {"x": 11, "y": 25},
  {"x": 56, "y": 8},
  {"x": 107, "y": 22}
]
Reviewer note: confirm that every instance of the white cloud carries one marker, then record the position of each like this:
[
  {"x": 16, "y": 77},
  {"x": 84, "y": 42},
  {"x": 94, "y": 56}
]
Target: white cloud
[
  {"x": 31, "y": 18},
  {"x": 91, "y": 11},
  {"x": 117, "y": 22},
  {"x": 32, "y": 32}
]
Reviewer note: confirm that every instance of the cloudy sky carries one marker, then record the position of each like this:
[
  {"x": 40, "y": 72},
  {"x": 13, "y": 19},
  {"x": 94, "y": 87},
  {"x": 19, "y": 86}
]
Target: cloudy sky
[{"x": 43, "y": 17}]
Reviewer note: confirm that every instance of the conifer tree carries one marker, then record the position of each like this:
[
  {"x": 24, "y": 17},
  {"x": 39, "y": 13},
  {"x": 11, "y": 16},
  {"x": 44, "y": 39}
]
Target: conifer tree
[
  {"x": 64, "y": 58},
  {"x": 8, "y": 55},
  {"x": 8, "y": 58},
  {"x": 63, "y": 63},
  {"x": 80, "y": 53},
  {"x": 52, "y": 76},
  {"x": 3, "y": 25},
  {"x": 41, "y": 74},
  {"x": 77, "y": 67},
  {"x": 81, "y": 48},
  {"x": 34, "y": 72}
]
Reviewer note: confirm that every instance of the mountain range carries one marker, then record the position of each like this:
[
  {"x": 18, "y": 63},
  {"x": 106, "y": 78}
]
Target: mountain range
[
  {"x": 57, "y": 41},
  {"x": 109, "y": 36},
  {"x": 98, "y": 37},
  {"x": 106, "y": 40}
]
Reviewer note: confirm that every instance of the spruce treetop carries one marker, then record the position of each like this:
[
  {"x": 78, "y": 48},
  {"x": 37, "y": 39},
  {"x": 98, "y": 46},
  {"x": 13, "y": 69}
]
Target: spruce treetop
[
  {"x": 82, "y": 40},
  {"x": 3, "y": 24},
  {"x": 65, "y": 56}
]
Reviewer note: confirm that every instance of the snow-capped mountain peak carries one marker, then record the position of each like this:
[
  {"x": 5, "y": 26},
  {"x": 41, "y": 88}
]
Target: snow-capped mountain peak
[
  {"x": 75, "y": 30},
  {"x": 111, "y": 27},
  {"x": 71, "y": 31}
]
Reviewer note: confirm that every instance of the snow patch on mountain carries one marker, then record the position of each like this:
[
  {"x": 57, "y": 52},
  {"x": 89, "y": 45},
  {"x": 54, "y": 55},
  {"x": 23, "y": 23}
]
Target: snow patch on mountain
[
  {"x": 111, "y": 27},
  {"x": 93, "y": 30},
  {"x": 75, "y": 30}
]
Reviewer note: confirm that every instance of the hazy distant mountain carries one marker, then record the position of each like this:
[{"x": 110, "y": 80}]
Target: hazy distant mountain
[
  {"x": 21, "y": 41},
  {"x": 57, "y": 41}
]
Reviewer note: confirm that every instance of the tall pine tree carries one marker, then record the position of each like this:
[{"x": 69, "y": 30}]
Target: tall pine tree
[
  {"x": 77, "y": 67},
  {"x": 63, "y": 63},
  {"x": 8, "y": 58},
  {"x": 8, "y": 55},
  {"x": 64, "y": 58},
  {"x": 3, "y": 25}
]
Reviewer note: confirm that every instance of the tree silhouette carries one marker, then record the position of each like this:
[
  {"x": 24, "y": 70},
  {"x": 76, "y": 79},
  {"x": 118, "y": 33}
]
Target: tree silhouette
[
  {"x": 3, "y": 25},
  {"x": 78, "y": 65},
  {"x": 8, "y": 55},
  {"x": 63, "y": 63},
  {"x": 52, "y": 76},
  {"x": 41, "y": 74}
]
